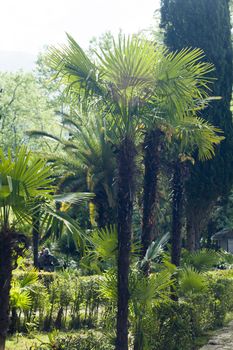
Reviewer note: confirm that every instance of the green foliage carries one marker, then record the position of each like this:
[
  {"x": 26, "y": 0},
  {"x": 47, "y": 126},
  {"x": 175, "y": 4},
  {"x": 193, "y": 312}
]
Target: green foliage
[
  {"x": 87, "y": 341},
  {"x": 23, "y": 106},
  {"x": 188, "y": 24},
  {"x": 201, "y": 260},
  {"x": 21, "y": 181},
  {"x": 155, "y": 250},
  {"x": 22, "y": 289},
  {"x": 169, "y": 327},
  {"x": 163, "y": 324},
  {"x": 104, "y": 245},
  {"x": 191, "y": 281}
]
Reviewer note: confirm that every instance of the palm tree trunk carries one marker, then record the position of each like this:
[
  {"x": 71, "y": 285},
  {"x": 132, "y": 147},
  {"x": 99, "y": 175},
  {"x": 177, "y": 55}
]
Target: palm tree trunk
[
  {"x": 152, "y": 144},
  {"x": 177, "y": 209},
  {"x": 5, "y": 282},
  {"x": 35, "y": 238},
  {"x": 177, "y": 206},
  {"x": 126, "y": 167},
  {"x": 197, "y": 220},
  {"x": 191, "y": 235}
]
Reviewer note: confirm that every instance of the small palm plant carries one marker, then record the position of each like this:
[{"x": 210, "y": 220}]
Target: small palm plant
[{"x": 21, "y": 293}]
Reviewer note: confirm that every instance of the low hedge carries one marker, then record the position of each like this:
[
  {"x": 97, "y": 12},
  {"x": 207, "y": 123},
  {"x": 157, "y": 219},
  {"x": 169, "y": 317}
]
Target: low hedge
[{"x": 67, "y": 301}]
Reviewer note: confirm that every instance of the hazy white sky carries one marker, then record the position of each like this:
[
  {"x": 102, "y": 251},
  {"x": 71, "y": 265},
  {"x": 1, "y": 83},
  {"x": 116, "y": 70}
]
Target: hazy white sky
[{"x": 28, "y": 25}]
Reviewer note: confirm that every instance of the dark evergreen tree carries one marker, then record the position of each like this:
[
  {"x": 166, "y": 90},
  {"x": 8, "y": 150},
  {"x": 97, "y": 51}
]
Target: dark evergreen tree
[{"x": 205, "y": 24}]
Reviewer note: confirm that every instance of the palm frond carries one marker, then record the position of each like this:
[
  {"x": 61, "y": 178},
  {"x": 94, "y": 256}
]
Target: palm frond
[
  {"x": 191, "y": 281},
  {"x": 39, "y": 133},
  {"x": 196, "y": 133},
  {"x": 73, "y": 198},
  {"x": 155, "y": 249},
  {"x": 202, "y": 260},
  {"x": 75, "y": 69}
]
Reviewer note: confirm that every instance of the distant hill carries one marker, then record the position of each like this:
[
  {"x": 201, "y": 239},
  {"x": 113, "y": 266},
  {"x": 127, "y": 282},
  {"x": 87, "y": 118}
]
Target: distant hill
[{"x": 12, "y": 61}]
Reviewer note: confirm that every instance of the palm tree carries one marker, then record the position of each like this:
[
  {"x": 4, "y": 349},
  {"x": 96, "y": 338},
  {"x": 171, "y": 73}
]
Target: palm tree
[
  {"x": 88, "y": 155},
  {"x": 24, "y": 180},
  {"x": 190, "y": 134},
  {"x": 121, "y": 83},
  {"x": 183, "y": 87},
  {"x": 21, "y": 180},
  {"x": 131, "y": 82}
]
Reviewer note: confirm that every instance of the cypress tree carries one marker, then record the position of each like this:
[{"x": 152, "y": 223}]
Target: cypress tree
[{"x": 205, "y": 24}]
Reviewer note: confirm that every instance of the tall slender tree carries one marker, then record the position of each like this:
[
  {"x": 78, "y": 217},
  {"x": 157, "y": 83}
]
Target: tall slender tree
[
  {"x": 191, "y": 134},
  {"x": 205, "y": 24},
  {"x": 185, "y": 85}
]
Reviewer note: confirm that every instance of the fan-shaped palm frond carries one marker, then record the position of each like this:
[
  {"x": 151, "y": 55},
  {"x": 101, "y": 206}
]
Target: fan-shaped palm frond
[
  {"x": 21, "y": 180},
  {"x": 73, "y": 65},
  {"x": 197, "y": 133},
  {"x": 105, "y": 243},
  {"x": 22, "y": 289},
  {"x": 153, "y": 289},
  {"x": 108, "y": 285},
  {"x": 202, "y": 260},
  {"x": 191, "y": 281},
  {"x": 183, "y": 79}
]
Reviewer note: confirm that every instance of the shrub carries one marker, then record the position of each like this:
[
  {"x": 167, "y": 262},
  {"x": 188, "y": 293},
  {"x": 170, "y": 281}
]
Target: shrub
[
  {"x": 87, "y": 341},
  {"x": 169, "y": 327}
]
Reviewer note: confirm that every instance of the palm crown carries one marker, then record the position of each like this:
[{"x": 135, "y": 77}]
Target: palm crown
[{"x": 21, "y": 181}]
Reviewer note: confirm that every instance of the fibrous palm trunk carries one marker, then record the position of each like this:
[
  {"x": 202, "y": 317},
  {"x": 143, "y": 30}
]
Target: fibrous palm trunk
[
  {"x": 126, "y": 164},
  {"x": 35, "y": 238},
  {"x": 5, "y": 282},
  {"x": 152, "y": 145},
  {"x": 197, "y": 220},
  {"x": 177, "y": 206}
]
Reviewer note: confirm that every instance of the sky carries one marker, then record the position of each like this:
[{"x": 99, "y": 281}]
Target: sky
[{"x": 28, "y": 25}]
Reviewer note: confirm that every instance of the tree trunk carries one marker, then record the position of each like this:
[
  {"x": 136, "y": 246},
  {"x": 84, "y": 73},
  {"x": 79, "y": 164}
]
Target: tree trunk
[
  {"x": 5, "y": 282},
  {"x": 35, "y": 238},
  {"x": 126, "y": 165},
  {"x": 152, "y": 144},
  {"x": 105, "y": 214},
  {"x": 197, "y": 221},
  {"x": 13, "y": 321},
  {"x": 177, "y": 209},
  {"x": 191, "y": 234}
]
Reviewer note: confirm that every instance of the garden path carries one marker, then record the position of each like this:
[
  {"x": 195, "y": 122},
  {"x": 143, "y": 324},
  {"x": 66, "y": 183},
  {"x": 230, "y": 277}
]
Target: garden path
[{"x": 222, "y": 340}]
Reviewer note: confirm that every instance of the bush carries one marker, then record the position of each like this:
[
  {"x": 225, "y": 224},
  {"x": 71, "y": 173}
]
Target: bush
[
  {"x": 222, "y": 290},
  {"x": 169, "y": 327},
  {"x": 87, "y": 341},
  {"x": 65, "y": 300}
]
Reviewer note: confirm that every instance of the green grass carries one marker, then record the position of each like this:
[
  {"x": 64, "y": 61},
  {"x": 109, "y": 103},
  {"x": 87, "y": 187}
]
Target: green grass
[{"x": 24, "y": 342}]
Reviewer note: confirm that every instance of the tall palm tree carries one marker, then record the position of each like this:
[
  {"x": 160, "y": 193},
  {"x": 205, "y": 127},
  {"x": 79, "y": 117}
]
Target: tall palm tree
[
  {"x": 24, "y": 181},
  {"x": 191, "y": 134},
  {"x": 120, "y": 83},
  {"x": 182, "y": 88}
]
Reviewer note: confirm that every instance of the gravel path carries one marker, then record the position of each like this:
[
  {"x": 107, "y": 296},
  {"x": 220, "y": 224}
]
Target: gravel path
[{"x": 222, "y": 340}]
